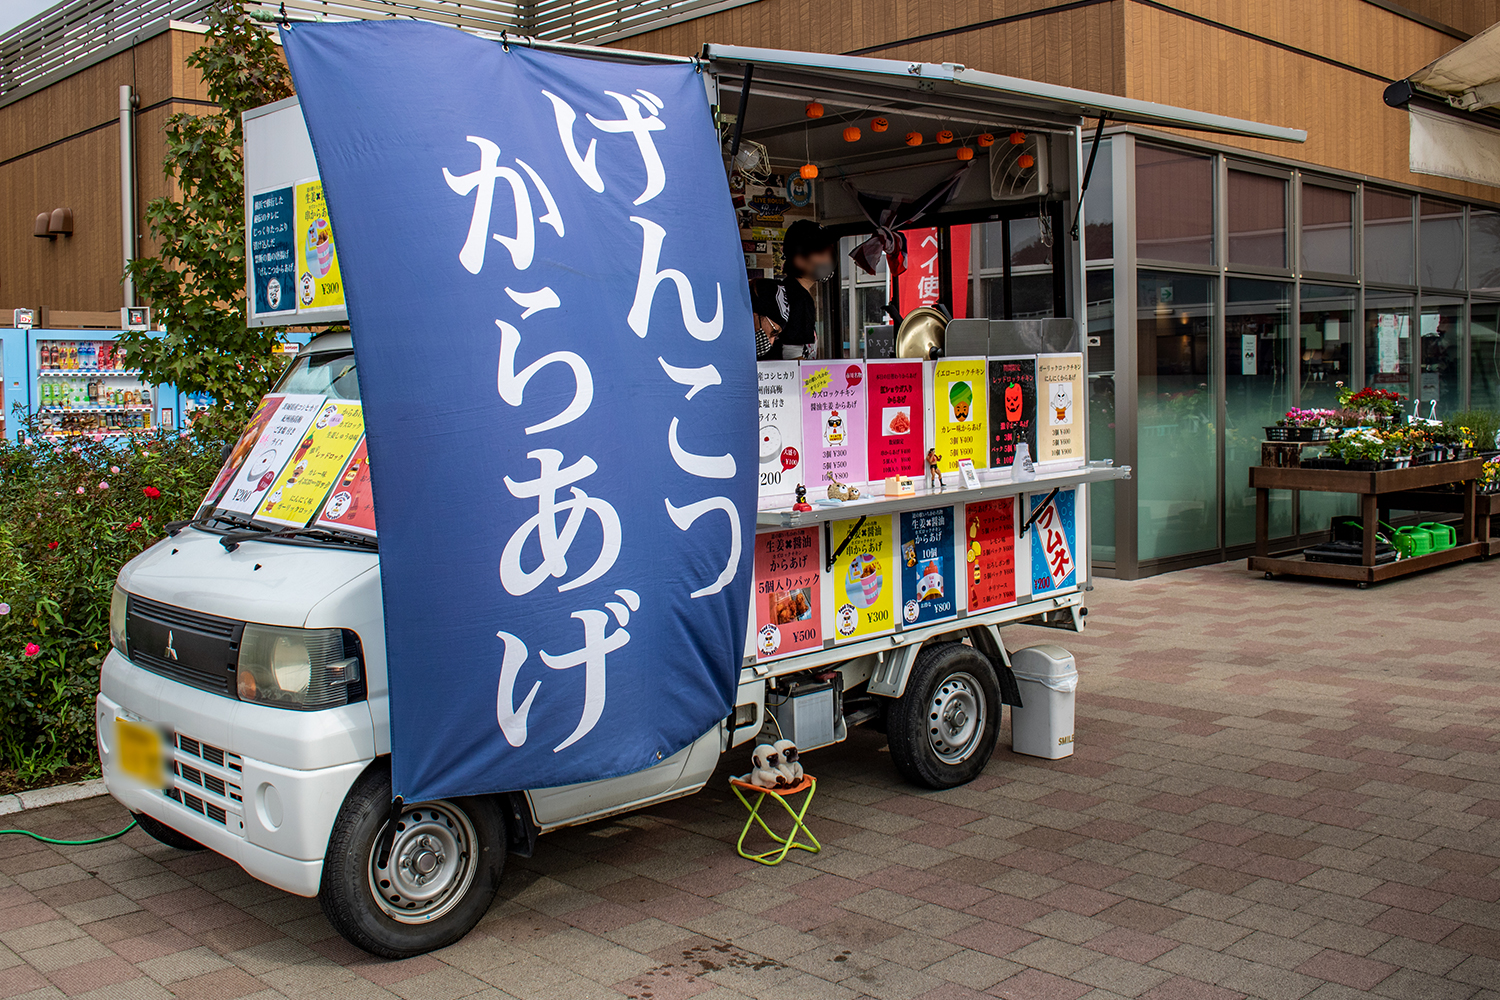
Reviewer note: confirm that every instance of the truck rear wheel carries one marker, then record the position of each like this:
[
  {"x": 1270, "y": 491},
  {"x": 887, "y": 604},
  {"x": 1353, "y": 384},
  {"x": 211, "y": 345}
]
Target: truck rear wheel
[
  {"x": 440, "y": 876},
  {"x": 943, "y": 729}
]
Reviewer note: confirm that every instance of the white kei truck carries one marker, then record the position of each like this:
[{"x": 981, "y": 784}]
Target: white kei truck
[{"x": 252, "y": 661}]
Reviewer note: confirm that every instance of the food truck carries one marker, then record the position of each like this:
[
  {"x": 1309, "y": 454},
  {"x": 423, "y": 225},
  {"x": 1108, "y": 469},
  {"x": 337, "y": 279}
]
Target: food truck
[{"x": 255, "y": 694}]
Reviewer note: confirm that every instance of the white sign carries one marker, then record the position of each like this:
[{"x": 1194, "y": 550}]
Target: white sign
[
  {"x": 966, "y": 469},
  {"x": 1249, "y": 357},
  {"x": 780, "y": 427},
  {"x": 271, "y": 452},
  {"x": 135, "y": 318},
  {"x": 25, "y": 319}
]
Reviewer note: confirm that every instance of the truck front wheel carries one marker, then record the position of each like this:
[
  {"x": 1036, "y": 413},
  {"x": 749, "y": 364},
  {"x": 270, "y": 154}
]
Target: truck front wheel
[
  {"x": 439, "y": 878},
  {"x": 943, "y": 728}
]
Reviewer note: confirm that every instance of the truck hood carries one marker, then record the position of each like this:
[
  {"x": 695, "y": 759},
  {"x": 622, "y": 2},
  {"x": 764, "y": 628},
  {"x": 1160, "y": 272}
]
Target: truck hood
[{"x": 266, "y": 582}]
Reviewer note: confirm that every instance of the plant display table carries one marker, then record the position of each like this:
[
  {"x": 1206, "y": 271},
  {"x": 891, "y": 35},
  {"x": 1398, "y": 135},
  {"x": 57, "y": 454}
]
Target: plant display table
[
  {"x": 1371, "y": 487},
  {"x": 1486, "y": 508}
]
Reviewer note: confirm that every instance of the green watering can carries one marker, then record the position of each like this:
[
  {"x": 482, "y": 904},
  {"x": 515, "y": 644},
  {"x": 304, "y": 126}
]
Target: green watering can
[
  {"x": 1442, "y": 535},
  {"x": 1413, "y": 540}
]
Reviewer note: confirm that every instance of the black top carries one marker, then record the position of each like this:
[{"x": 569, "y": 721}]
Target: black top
[{"x": 789, "y": 306}]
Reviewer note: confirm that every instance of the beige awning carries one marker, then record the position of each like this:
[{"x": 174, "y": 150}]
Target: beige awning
[{"x": 1453, "y": 104}]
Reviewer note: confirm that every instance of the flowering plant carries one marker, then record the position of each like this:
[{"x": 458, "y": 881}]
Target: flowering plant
[
  {"x": 1364, "y": 444},
  {"x": 1489, "y": 476},
  {"x": 1381, "y": 403},
  {"x": 1297, "y": 417}
]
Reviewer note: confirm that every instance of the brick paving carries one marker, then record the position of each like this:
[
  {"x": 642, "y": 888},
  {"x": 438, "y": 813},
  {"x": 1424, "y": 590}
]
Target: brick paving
[{"x": 1281, "y": 790}]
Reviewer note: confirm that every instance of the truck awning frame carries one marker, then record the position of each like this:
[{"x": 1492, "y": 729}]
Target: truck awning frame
[{"x": 1453, "y": 104}]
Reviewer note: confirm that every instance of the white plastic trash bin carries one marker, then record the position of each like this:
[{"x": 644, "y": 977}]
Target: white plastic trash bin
[{"x": 1047, "y": 678}]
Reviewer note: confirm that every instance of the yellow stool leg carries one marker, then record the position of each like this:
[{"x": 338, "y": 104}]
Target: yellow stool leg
[{"x": 773, "y": 855}]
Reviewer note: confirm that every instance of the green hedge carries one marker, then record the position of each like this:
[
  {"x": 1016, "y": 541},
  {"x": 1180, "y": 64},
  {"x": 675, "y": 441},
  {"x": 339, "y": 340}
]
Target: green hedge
[{"x": 71, "y": 514}]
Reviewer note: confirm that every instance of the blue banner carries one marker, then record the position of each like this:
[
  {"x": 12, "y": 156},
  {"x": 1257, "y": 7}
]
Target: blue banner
[{"x": 552, "y": 324}]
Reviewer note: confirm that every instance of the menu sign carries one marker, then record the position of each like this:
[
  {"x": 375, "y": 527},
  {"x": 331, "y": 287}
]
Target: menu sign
[
  {"x": 273, "y": 252},
  {"x": 319, "y": 283},
  {"x": 1053, "y": 543},
  {"x": 897, "y": 418},
  {"x": 990, "y": 540},
  {"x": 315, "y": 465},
  {"x": 833, "y": 422},
  {"x": 241, "y": 450},
  {"x": 780, "y": 427},
  {"x": 351, "y": 507},
  {"x": 249, "y": 484},
  {"x": 927, "y": 570},
  {"x": 863, "y": 590},
  {"x": 1012, "y": 408},
  {"x": 1060, "y": 381},
  {"x": 788, "y": 612},
  {"x": 959, "y": 393}
]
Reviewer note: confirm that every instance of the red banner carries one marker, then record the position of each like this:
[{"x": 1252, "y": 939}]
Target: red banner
[{"x": 919, "y": 284}]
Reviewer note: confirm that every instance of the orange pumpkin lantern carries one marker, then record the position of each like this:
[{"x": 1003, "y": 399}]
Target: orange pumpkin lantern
[
  {"x": 965, "y": 153},
  {"x": 1027, "y": 161},
  {"x": 851, "y": 134},
  {"x": 914, "y": 138},
  {"x": 944, "y": 137},
  {"x": 809, "y": 171},
  {"x": 985, "y": 139},
  {"x": 814, "y": 109},
  {"x": 1016, "y": 138},
  {"x": 879, "y": 124}
]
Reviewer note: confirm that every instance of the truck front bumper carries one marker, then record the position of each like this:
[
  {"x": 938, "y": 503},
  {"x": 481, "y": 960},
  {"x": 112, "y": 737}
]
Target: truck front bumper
[{"x": 270, "y": 819}]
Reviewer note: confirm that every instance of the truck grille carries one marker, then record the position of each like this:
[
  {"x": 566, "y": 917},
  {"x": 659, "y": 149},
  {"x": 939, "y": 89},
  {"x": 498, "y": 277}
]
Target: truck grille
[
  {"x": 205, "y": 779},
  {"x": 188, "y": 646}
]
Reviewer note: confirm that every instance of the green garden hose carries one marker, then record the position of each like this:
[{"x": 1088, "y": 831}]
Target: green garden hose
[{"x": 72, "y": 843}]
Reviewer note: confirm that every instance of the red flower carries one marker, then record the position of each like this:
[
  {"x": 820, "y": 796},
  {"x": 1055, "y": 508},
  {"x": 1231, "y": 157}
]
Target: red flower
[
  {"x": 151, "y": 491},
  {"x": 32, "y": 649},
  {"x": 52, "y": 545},
  {"x": 133, "y": 525}
]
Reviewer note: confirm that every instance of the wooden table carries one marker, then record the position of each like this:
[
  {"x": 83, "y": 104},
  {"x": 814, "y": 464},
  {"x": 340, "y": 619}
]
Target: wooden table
[{"x": 1371, "y": 488}]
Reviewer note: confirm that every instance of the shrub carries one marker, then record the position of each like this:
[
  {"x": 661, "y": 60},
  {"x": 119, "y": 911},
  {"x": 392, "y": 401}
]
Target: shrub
[
  {"x": 1483, "y": 423},
  {"x": 71, "y": 514}
]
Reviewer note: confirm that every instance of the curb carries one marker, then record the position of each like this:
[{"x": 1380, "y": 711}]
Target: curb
[{"x": 56, "y": 795}]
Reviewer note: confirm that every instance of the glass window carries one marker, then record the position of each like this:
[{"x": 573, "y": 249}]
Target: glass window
[
  {"x": 1388, "y": 242},
  {"x": 1327, "y": 229},
  {"x": 1099, "y": 207},
  {"x": 1257, "y": 219},
  {"x": 1327, "y": 343},
  {"x": 1031, "y": 296},
  {"x": 1484, "y": 249},
  {"x": 1440, "y": 326},
  {"x": 1178, "y": 489},
  {"x": 1442, "y": 235},
  {"x": 1174, "y": 197},
  {"x": 1100, "y": 289},
  {"x": 1484, "y": 357},
  {"x": 1030, "y": 243},
  {"x": 1257, "y": 364},
  {"x": 1388, "y": 342}
]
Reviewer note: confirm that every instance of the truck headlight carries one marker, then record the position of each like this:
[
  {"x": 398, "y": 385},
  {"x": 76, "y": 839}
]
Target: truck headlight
[
  {"x": 300, "y": 668},
  {"x": 117, "y": 602}
]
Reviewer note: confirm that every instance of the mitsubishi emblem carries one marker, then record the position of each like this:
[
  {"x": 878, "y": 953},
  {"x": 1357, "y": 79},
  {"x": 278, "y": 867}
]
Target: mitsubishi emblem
[{"x": 171, "y": 653}]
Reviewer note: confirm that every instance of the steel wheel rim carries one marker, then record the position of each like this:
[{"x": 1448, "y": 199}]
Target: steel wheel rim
[
  {"x": 431, "y": 863},
  {"x": 955, "y": 718}
]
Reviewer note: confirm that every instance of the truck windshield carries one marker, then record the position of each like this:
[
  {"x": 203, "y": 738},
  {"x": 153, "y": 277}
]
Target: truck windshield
[{"x": 326, "y": 373}]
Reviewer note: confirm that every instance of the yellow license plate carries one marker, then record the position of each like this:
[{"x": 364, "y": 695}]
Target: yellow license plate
[{"x": 140, "y": 752}]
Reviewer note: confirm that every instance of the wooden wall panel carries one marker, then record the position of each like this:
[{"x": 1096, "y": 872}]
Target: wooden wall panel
[{"x": 1471, "y": 16}]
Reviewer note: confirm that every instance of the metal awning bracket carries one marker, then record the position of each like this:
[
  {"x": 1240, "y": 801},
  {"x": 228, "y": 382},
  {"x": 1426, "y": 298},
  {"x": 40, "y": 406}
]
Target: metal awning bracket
[
  {"x": 1038, "y": 512},
  {"x": 833, "y": 556}
]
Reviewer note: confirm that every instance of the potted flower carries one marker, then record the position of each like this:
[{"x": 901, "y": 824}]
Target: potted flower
[
  {"x": 1365, "y": 449},
  {"x": 1378, "y": 406},
  {"x": 1489, "y": 476}
]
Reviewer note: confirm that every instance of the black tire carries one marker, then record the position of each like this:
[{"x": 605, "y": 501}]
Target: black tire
[
  {"x": 165, "y": 834},
  {"x": 468, "y": 832},
  {"x": 943, "y": 729}
]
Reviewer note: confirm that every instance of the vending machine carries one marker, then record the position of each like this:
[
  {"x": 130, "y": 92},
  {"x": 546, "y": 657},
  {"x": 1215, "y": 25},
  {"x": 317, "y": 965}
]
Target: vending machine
[{"x": 79, "y": 386}]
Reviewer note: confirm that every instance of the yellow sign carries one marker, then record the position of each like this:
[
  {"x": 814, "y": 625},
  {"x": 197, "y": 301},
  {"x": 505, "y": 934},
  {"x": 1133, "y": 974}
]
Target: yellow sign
[
  {"x": 863, "y": 586},
  {"x": 817, "y": 381},
  {"x": 319, "y": 284},
  {"x": 314, "y": 467},
  {"x": 1060, "y": 401},
  {"x": 959, "y": 393}
]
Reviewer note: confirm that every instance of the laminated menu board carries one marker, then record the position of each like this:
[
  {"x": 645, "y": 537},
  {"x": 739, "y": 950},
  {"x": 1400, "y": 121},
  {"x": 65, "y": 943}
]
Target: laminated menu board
[
  {"x": 319, "y": 283},
  {"x": 780, "y": 427},
  {"x": 315, "y": 466},
  {"x": 928, "y": 585},
  {"x": 351, "y": 505},
  {"x": 959, "y": 396},
  {"x": 788, "y": 608},
  {"x": 990, "y": 552},
  {"x": 254, "y": 427},
  {"x": 1054, "y": 543},
  {"x": 863, "y": 590},
  {"x": 248, "y": 484},
  {"x": 833, "y": 422},
  {"x": 1012, "y": 408},
  {"x": 897, "y": 426},
  {"x": 1061, "y": 400}
]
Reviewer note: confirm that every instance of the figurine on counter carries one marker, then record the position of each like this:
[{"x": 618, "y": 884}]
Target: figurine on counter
[
  {"x": 838, "y": 491},
  {"x": 801, "y": 503},
  {"x": 934, "y": 460}
]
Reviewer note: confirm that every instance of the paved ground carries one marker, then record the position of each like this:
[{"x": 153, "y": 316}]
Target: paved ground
[{"x": 1281, "y": 790}]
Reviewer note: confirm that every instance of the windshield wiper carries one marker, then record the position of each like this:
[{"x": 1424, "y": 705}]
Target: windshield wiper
[{"x": 232, "y": 540}]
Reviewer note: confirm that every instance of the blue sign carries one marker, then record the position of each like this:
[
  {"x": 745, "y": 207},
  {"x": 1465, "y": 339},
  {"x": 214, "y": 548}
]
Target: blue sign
[
  {"x": 928, "y": 581},
  {"x": 273, "y": 251},
  {"x": 1054, "y": 543},
  {"x": 551, "y": 319}
]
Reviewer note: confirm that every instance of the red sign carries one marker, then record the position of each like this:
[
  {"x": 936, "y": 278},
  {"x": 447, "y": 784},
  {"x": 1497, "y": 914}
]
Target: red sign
[
  {"x": 897, "y": 412},
  {"x": 350, "y": 506},
  {"x": 788, "y": 571},
  {"x": 990, "y": 551},
  {"x": 919, "y": 285}
]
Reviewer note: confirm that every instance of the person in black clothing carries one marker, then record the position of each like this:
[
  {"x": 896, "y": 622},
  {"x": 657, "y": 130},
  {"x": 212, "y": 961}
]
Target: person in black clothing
[{"x": 785, "y": 312}]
